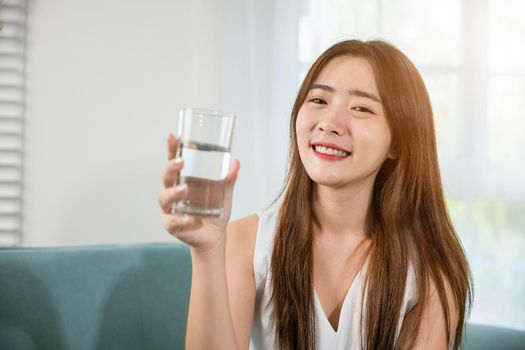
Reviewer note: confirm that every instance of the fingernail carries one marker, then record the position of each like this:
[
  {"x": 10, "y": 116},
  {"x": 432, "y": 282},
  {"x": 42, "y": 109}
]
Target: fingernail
[
  {"x": 185, "y": 219},
  {"x": 180, "y": 188},
  {"x": 178, "y": 160}
]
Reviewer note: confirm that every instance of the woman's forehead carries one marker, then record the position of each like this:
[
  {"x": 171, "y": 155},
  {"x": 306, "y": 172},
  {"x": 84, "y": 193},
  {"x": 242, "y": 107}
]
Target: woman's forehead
[{"x": 348, "y": 72}]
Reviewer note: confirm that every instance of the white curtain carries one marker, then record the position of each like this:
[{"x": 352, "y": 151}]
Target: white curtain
[{"x": 471, "y": 55}]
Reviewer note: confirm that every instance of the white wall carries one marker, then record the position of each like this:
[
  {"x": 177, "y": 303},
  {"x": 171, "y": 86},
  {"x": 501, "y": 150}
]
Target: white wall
[{"x": 105, "y": 81}]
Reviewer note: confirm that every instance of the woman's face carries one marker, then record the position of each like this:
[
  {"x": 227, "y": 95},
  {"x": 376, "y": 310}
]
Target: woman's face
[{"x": 343, "y": 110}]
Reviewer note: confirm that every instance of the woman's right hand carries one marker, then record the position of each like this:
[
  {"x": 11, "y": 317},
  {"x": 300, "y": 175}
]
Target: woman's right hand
[{"x": 202, "y": 233}]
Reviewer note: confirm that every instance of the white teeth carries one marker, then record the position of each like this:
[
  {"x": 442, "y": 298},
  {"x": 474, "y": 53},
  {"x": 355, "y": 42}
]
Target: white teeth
[{"x": 331, "y": 151}]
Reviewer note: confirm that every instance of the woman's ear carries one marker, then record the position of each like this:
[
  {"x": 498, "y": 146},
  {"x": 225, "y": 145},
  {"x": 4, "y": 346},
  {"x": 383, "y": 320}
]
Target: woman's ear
[{"x": 392, "y": 154}]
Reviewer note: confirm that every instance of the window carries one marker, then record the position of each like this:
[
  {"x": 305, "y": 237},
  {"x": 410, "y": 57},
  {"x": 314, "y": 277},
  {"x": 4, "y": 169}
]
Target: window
[{"x": 471, "y": 55}]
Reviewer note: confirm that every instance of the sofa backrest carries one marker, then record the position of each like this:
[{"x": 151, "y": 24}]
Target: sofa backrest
[
  {"x": 96, "y": 297},
  {"x": 484, "y": 337}
]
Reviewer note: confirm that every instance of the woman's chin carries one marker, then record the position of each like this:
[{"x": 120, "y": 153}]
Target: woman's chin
[
  {"x": 328, "y": 182},
  {"x": 327, "y": 177}
]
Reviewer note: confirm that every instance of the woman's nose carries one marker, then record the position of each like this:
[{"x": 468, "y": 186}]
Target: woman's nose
[{"x": 332, "y": 122}]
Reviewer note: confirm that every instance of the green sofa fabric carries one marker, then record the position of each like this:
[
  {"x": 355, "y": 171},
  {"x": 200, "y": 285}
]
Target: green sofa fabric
[
  {"x": 102, "y": 297},
  {"x": 489, "y": 337},
  {"x": 119, "y": 297}
]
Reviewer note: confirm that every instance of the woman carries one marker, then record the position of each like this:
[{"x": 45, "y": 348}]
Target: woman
[{"x": 359, "y": 252}]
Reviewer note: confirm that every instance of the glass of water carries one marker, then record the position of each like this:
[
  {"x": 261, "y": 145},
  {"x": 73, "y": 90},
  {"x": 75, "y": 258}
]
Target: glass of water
[{"x": 205, "y": 137}]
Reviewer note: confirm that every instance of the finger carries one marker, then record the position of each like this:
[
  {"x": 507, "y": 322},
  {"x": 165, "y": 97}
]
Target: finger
[
  {"x": 170, "y": 195},
  {"x": 193, "y": 224},
  {"x": 233, "y": 171},
  {"x": 172, "y": 146},
  {"x": 175, "y": 224},
  {"x": 171, "y": 173}
]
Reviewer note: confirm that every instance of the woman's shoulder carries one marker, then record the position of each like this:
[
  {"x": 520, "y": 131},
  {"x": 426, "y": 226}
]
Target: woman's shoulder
[
  {"x": 250, "y": 225},
  {"x": 246, "y": 225},
  {"x": 246, "y": 228},
  {"x": 251, "y": 236},
  {"x": 243, "y": 231},
  {"x": 240, "y": 246}
]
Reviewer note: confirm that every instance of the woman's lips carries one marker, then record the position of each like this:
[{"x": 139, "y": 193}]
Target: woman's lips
[{"x": 328, "y": 156}]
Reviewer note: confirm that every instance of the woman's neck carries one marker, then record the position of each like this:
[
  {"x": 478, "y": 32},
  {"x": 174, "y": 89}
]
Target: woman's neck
[{"x": 341, "y": 213}]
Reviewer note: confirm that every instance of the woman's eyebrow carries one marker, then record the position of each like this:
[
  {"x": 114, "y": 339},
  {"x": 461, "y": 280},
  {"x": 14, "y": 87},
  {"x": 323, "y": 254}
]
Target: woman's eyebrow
[{"x": 355, "y": 92}]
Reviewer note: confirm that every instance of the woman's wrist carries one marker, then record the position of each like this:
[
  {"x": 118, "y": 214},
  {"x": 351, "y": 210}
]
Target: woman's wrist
[{"x": 212, "y": 252}]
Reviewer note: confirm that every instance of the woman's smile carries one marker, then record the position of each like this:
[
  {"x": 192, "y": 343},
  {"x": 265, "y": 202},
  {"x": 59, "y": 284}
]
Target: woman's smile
[{"x": 330, "y": 154}]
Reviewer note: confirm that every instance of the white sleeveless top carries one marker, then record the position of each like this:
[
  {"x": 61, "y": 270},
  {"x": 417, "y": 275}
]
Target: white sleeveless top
[{"x": 326, "y": 338}]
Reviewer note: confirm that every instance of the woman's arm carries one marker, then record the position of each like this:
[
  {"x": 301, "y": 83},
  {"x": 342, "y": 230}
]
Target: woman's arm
[
  {"x": 223, "y": 291},
  {"x": 432, "y": 334},
  {"x": 222, "y": 255},
  {"x": 240, "y": 276}
]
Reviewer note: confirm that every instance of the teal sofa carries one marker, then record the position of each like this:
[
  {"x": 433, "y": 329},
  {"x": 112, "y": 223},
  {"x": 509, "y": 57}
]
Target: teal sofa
[{"x": 119, "y": 297}]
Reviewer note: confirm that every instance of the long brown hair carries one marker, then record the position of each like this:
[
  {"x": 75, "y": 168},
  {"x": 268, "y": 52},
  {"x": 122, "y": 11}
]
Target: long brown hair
[{"x": 407, "y": 219}]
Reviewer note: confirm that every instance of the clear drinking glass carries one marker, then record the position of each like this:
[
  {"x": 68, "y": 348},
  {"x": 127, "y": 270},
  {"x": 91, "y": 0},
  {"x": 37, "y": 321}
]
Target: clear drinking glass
[{"x": 205, "y": 137}]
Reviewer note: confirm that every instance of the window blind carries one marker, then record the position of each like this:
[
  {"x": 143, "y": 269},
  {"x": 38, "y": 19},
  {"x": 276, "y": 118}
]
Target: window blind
[{"x": 13, "y": 16}]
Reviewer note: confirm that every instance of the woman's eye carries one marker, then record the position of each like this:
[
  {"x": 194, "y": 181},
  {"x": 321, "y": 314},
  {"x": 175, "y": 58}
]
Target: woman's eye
[
  {"x": 362, "y": 109},
  {"x": 318, "y": 101}
]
